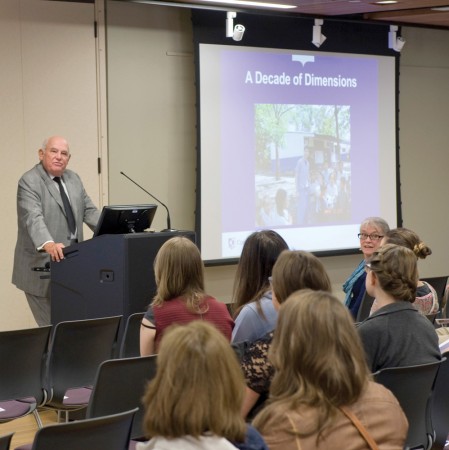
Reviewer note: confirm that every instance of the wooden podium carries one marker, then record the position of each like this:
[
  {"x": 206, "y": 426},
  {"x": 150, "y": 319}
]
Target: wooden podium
[{"x": 106, "y": 276}]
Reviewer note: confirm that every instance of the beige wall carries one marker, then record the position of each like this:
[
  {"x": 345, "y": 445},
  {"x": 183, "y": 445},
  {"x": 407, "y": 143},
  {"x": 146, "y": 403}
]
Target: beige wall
[
  {"x": 48, "y": 86},
  {"x": 424, "y": 141},
  {"x": 48, "y": 80}
]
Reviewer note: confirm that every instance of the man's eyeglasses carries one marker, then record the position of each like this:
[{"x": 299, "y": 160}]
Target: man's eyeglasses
[
  {"x": 64, "y": 153},
  {"x": 373, "y": 237}
]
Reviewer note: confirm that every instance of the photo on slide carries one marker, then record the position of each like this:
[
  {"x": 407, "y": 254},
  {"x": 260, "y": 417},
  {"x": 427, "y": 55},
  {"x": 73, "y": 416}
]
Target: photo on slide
[{"x": 303, "y": 165}]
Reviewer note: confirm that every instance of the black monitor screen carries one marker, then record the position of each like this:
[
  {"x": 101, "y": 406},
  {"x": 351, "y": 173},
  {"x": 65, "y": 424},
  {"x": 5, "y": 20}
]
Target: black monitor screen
[{"x": 123, "y": 219}]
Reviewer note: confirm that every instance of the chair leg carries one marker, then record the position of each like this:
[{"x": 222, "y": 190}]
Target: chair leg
[
  {"x": 63, "y": 416},
  {"x": 37, "y": 417}
]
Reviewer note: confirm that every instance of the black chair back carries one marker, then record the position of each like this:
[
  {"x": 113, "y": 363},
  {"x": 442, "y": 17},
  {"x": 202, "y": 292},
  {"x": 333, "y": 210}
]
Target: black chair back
[
  {"x": 22, "y": 355},
  {"x": 5, "y": 441},
  {"x": 130, "y": 345},
  {"x": 77, "y": 349},
  {"x": 412, "y": 386},
  {"x": 439, "y": 284},
  {"x": 439, "y": 405},
  {"x": 104, "y": 433},
  {"x": 119, "y": 386},
  {"x": 365, "y": 308}
]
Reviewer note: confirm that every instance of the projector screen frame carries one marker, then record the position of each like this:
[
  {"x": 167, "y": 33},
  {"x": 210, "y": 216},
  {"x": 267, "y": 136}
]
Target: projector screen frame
[{"x": 278, "y": 32}]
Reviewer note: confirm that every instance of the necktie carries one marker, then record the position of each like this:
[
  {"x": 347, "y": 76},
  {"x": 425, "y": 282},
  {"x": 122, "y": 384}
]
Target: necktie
[{"x": 67, "y": 207}]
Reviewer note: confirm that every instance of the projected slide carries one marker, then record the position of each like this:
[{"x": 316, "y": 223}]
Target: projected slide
[{"x": 293, "y": 141}]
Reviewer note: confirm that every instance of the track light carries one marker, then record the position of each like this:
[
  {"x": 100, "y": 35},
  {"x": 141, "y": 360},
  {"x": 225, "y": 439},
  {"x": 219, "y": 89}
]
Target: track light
[
  {"x": 395, "y": 42},
  {"x": 235, "y": 32},
  {"x": 317, "y": 37}
]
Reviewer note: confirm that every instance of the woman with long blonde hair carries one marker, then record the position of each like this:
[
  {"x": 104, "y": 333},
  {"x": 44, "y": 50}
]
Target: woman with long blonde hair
[
  {"x": 194, "y": 400},
  {"x": 322, "y": 382},
  {"x": 180, "y": 296}
]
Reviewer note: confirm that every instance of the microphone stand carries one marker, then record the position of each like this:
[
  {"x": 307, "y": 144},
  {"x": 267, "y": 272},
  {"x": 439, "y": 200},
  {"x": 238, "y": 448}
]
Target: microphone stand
[{"x": 169, "y": 228}]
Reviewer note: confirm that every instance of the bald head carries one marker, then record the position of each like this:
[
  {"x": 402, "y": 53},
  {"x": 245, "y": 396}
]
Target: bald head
[{"x": 55, "y": 155}]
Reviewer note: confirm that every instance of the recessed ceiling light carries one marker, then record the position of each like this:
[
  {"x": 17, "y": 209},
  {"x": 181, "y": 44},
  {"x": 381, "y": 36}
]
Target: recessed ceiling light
[
  {"x": 250, "y": 3},
  {"x": 386, "y": 2},
  {"x": 440, "y": 8}
]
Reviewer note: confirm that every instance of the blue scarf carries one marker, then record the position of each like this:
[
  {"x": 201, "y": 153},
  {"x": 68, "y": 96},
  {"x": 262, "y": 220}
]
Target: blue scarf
[{"x": 349, "y": 283}]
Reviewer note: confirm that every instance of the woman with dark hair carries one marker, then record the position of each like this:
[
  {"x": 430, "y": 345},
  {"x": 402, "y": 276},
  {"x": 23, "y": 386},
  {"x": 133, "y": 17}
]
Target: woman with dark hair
[
  {"x": 293, "y": 270},
  {"x": 396, "y": 335},
  {"x": 322, "y": 384},
  {"x": 254, "y": 312}
]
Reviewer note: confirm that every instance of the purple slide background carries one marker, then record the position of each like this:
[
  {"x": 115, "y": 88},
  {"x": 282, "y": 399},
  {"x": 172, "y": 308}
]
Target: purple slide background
[{"x": 237, "y": 123}]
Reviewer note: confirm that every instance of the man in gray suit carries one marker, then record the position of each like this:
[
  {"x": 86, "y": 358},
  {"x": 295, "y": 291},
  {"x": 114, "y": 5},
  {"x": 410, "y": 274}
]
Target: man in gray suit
[{"x": 44, "y": 227}]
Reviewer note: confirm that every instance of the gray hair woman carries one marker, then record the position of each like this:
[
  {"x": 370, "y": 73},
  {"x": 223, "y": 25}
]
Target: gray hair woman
[{"x": 372, "y": 230}]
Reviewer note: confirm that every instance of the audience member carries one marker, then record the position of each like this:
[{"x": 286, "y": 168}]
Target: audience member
[
  {"x": 426, "y": 301},
  {"x": 322, "y": 382},
  {"x": 194, "y": 400},
  {"x": 372, "y": 230},
  {"x": 180, "y": 296},
  {"x": 396, "y": 334},
  {"x": 292, "y": 271},
  {"x": 254, "y": 313}
]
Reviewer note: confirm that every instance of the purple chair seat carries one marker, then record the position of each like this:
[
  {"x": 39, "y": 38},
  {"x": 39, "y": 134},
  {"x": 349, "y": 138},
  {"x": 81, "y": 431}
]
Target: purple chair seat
[
  {"x": 77, "y": 396},
  {"x": 12, "y": 409}
]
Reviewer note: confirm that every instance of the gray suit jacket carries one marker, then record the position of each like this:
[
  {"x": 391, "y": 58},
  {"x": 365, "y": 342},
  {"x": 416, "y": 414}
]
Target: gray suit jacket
[{"x": 41, "y": 217}]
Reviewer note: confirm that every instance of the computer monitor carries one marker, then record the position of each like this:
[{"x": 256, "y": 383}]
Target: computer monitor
[{"x": 123, "y": 219}]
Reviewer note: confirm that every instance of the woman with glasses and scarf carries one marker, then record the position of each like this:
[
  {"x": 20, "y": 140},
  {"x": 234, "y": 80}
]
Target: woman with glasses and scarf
[{"x": 372, "y": 230}]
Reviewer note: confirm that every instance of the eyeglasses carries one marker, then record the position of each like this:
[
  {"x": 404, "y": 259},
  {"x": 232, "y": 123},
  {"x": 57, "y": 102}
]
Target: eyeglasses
[
  {"x": 64, "y": 153},
  {"x": 373, "y": 237}
]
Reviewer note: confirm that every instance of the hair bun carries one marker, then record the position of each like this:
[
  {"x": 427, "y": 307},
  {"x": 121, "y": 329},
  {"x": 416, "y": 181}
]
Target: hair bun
[{"x": 421, "y": 250}]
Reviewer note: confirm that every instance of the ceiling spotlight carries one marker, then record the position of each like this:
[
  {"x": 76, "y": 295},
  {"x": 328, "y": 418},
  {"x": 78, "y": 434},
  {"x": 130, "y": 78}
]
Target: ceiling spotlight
[
  {"x": 395, "y": 42},
  {"x": 235, "y": 32},
  {"x": 317, "y": 37}
]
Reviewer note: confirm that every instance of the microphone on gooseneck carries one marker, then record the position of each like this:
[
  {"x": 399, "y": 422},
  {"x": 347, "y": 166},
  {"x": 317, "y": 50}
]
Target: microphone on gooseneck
[{"x": 169, "y": 228}]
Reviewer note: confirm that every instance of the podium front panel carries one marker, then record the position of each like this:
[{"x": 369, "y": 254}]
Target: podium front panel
[{"x": 106, "y": 276}]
